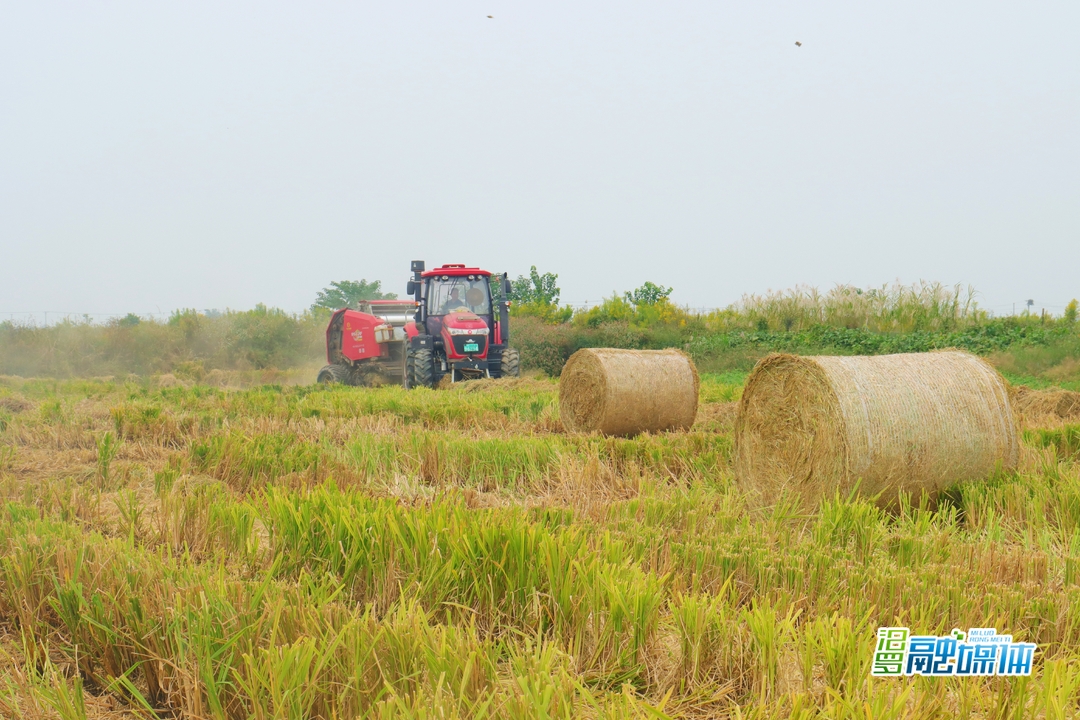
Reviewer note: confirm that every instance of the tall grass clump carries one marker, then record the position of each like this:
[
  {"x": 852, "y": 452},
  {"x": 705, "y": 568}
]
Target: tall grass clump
[{"x": 890, "y": 308}]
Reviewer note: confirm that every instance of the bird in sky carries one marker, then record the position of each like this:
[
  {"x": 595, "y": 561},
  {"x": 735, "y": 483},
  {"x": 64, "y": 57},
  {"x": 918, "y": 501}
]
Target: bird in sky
[
  {"x": 796, "y": 42},
  {"x": 491, "y": 16}
]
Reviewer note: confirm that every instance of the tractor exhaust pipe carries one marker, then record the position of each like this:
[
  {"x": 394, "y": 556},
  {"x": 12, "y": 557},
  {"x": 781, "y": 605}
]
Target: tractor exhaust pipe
[
  {"x": 504, "y": 311},
  {"x": 416, "y": 287}
]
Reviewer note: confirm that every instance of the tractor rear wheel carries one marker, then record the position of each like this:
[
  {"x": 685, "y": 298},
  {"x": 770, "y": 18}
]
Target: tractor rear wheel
[
  {"x": 419, "y": 368},
  {"x": 334, "y": 374},
  {"x": 511, "y": 363}
]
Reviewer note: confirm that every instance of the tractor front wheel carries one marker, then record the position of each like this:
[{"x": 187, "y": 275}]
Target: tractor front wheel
[
  {"x": 419, "y": 368},
  {"x": 511, "y": 363},
  {"x": 333, "y": 374}
]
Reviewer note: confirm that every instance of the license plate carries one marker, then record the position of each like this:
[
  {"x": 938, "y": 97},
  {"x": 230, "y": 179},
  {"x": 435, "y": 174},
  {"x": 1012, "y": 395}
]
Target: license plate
[{"x": 472, "y": 347}]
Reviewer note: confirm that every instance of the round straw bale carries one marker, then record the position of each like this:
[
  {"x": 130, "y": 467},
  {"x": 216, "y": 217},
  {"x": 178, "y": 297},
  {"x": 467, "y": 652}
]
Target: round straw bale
[
  {"x": 626, "y": 392},
  {"x": 812, "y": 426}
]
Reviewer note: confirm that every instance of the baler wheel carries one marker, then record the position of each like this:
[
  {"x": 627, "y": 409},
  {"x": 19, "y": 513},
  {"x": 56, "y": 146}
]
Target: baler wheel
[{"x": 334, "y": 374}]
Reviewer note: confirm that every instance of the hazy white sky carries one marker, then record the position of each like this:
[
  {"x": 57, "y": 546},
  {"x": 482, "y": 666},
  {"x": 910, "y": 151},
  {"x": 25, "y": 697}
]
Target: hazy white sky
[{"x": 210, "y": 155}]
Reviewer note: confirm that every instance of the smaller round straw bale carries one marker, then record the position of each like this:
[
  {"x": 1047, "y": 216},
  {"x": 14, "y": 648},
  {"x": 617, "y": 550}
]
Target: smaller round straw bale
[
  {"x": 626, "y": 392},
  {"x": 815, "y": 426}
]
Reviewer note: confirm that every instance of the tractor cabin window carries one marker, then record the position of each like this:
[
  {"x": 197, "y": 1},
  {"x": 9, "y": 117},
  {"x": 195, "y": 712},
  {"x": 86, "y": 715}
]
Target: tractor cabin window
[{"x": 450, "y": 294}]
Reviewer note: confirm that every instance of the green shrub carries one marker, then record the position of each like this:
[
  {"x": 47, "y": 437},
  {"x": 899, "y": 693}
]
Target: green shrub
[
  {"x": 266, "y": 337},
  {"x": 546, "y": 312},
  {"x": 543, "y": 346}
]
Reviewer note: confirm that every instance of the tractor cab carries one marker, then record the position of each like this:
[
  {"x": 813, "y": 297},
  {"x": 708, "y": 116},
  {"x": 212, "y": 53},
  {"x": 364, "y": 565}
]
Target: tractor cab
[
  {"x": 460, "y": 329},
  {"x": 449, "y": 296}
]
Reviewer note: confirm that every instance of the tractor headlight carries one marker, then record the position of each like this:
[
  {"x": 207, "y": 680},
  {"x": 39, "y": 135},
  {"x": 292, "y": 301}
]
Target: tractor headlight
[{"x": 468, "y": 331}]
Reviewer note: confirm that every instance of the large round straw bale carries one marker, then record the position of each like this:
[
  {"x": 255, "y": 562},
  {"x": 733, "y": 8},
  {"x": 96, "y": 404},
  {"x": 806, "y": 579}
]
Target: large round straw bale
[
  {"x": 814, "y": 426},
  {"x": 625, "y": 392}
]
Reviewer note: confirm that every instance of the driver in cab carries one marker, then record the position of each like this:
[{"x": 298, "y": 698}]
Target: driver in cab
[{"x": 453, "y": 302}]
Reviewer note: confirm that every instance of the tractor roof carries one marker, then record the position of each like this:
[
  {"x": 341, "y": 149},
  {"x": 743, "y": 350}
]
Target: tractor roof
[{"x": 454, "y": 271}]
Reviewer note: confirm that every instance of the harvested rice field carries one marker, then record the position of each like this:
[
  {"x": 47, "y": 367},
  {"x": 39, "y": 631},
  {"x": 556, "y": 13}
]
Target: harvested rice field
[{"x": 304, "y": 552}]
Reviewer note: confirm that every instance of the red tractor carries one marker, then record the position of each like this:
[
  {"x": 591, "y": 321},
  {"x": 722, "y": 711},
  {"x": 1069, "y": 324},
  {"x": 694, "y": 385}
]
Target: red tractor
[{"x": 453, "y": 327}]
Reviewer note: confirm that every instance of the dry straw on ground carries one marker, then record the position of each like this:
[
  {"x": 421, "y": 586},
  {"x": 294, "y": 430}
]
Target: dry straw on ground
[
  {"x": 626, "y": 392},
  {"x": 15, "y": 403},
  {"x": 168, "y": 380},
  {"x": 814, "y": 426},
  {"x": 1037, "y": 405}
]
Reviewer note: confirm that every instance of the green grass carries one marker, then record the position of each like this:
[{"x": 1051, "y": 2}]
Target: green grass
[
  {"x": 1040, "y": 383},
  {"x": 298, "y": 552},
  {"x": 1065, "y": 440}
]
